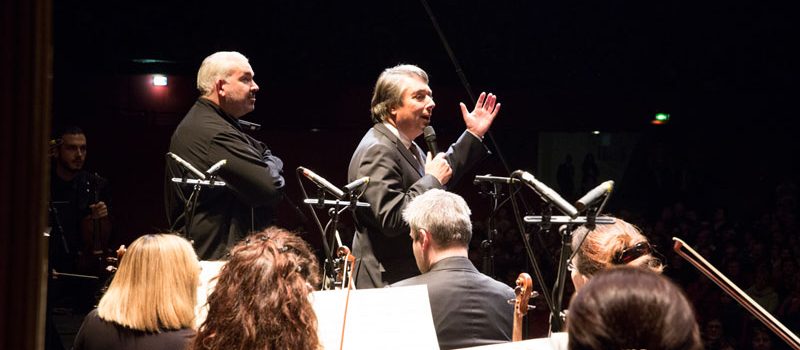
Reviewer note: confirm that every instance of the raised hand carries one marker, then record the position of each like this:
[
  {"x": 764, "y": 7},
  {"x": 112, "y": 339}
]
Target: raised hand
[{"x": 480, "y": 119}]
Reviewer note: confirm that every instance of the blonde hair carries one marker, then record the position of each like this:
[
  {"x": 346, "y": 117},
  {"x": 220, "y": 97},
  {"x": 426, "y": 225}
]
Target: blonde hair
[
  {"x": 595, "y": 250},
  {"x": 155, "y": 286},
  {"x": 218, "y": 65}
]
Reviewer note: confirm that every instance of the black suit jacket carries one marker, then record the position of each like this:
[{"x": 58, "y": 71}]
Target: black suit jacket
[
  {"x": 381, "y": 244},
  {"x": 468, "y": 307},
  {"x": 224, "y": 215}
]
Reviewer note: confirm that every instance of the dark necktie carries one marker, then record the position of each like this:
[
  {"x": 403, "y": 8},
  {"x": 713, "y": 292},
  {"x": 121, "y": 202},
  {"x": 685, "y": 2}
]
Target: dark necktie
[{"x": 415, "y": 153}]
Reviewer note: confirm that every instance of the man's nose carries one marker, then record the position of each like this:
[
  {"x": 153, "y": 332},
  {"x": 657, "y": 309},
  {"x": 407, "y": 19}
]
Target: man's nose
[
  {"x": 254, "y": 88},
  {"x": 431, "y": 104}
]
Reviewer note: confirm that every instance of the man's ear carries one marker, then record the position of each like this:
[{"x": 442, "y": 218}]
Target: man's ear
[
  {"x": 219, "y": 86},
  {"x": 424, "y": 238},
  {"x": 52, "y": 150}
]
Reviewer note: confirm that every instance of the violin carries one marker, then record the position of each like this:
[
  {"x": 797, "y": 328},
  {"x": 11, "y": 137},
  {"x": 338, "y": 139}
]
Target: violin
[
  {"x": 94, "y": 233},
  {"x": 111, "y": 268},
  {"x": 523, "y": 292},
  {"x": 345, "y": 264}
]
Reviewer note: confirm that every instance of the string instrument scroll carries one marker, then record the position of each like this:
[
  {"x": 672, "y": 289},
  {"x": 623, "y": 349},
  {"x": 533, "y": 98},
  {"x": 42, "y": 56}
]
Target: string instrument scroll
[{"x": 524, "y": 290}]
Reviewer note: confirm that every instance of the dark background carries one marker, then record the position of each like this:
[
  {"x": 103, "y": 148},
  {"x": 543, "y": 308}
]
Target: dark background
[{"x": 725, "y": 71}]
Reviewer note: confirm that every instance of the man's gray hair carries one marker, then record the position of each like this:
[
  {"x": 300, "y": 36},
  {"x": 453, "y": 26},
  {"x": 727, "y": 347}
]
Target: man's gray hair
[
  {"x": 218, "y": 65},
  {"x": 388, "y": 91},
  {"x": 444, "y": 214}
]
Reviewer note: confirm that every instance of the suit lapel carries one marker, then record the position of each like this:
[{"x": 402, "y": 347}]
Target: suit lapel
[{"x": 401, "y": 148}]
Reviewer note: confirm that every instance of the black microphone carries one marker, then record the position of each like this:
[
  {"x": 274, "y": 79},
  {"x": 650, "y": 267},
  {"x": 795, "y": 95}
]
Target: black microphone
[
  {"x": 321, "y": 182},
  {"x": 430, "y": 139},
  {"x": 249, "y": 125},
  {"x": 595, "y": 194},
  {"x": 494, "y": 179},
  {"x": 351, "y": 187},
  {"x": 547, "y": 193}
]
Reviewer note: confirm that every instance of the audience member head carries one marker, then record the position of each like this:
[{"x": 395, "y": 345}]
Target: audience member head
[
  {"x": 261, "y": 300},
  {"x": 440, "y": 226},
  {"x": 155, "y": 287},
  {"x": 389, "y": 89},
  {"x": 609, "y": 245},
  {"x": 762, "y": 339},
  {"x": 226, "y": 78},
  {"x": 68, "y": 149},
  {"x": 631, "y": 308}
]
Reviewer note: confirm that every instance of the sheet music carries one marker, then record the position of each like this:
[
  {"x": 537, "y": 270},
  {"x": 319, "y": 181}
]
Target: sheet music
[{"x": 384, "y": 318}]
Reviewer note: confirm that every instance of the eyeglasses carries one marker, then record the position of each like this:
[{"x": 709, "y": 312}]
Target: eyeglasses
[{"x": 632, "y": 253}]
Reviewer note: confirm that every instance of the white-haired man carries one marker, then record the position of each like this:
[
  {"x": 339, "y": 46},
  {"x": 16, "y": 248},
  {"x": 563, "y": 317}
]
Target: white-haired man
[
  {"x": 468, "y": 307},
  {"x": 209, "y": 133}
]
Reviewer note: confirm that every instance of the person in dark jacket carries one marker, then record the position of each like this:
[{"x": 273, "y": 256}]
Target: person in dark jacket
[
  {"x": 468, "y": 307},
  {"x": 402, "y": 105},
  {"x": 151, "y": 300},
  {"x": 221, "y": 216}
]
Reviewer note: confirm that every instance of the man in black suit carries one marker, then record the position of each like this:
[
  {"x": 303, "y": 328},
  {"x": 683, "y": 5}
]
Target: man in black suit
[
  {"x": 402, "y": 104},
  {"x": 210, "y": 132},
  {"x": 468, "y": 307}
]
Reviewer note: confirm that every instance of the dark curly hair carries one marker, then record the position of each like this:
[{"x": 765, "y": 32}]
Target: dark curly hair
[{"x": 261, "y": 297}]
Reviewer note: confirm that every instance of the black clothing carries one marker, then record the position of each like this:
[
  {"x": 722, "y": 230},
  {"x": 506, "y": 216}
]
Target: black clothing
[
  {"x": 97, "y": 334},
  {"x": 381, "y": 243},
  {"x": 223, "y": 215},
  {"x": 69, "y": 204},
  {"x": 469, "y": 308}
]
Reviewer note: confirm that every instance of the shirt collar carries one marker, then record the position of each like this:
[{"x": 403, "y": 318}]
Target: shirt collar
[
  {"x": 233, "y": 121},
  {"x": 406, "y": 142}
]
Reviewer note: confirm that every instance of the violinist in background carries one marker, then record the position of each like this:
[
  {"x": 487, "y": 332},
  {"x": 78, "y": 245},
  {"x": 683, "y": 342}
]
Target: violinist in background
[
  {"x": 468, "y": 307},
  {"x": 79, "y": 219}
]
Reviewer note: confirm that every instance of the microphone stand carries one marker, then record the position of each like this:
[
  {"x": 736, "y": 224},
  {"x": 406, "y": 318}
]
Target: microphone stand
[
  {"x": 57, "y": 221},
  {"x": 191, "y": 201},
  {"x": 487, "y": 245},
  {"x": 557, "y": 317},
  {"x": 337, "y": 207}
]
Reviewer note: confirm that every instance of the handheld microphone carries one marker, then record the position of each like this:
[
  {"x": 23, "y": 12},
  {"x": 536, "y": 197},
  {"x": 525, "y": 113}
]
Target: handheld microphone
[
  {"x": 213, "y": 169},
  {"x": 595, "y": 194},
  {"x": 351, "y": 187},
  {"x": 321, "y": 182},
  {"x": 547, "y": 193},
  {"x": 494, "y": 179},
  {"x": 187, "y": 165},
  {"x": 430, "y": 139}
]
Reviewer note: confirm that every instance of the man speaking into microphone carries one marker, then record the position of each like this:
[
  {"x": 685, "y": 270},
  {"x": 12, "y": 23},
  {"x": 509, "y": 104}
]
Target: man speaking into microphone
[
  {"x": 402, "y": 106},
  {"x": 209, "y": 134}
]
